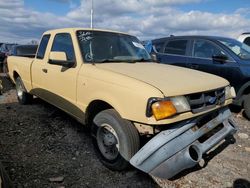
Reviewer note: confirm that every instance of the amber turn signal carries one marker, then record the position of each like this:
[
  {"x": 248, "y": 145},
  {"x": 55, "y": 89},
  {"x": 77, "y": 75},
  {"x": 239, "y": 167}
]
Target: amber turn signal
[{"x": 163, "y": 109}]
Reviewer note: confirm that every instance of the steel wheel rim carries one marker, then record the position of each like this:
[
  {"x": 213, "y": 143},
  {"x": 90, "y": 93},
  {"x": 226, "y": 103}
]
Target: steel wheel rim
[
  {"x": 107, "y": 141},
  {"x": 19, "y": 90}
]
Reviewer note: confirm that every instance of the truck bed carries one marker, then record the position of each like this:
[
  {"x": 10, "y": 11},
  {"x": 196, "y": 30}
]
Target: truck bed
[{"x": 23, "y": 66}]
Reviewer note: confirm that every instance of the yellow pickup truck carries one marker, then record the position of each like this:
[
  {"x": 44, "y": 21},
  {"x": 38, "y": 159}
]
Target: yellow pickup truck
[{"x": 107, "y": 81}]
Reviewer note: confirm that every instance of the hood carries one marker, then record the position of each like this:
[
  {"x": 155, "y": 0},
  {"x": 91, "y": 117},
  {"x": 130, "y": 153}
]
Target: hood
[{"x": 170, "y": 80}]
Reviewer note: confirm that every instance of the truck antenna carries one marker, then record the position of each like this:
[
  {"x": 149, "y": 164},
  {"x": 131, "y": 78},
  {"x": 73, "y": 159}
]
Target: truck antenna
[{"x": 91, "y": 14}]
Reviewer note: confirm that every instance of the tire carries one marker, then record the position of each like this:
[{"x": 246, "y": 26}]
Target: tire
[
  {"x": 22, "y": 95},
  {"x": 4, "y": 178},
  {"x": 1, "y": 67},
  {"x": 246, "y": 106},
  {"x": 115, "y": 139}
]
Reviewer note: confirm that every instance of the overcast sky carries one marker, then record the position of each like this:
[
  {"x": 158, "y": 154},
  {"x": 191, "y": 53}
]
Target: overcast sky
[{"x": 25, "y": 20}]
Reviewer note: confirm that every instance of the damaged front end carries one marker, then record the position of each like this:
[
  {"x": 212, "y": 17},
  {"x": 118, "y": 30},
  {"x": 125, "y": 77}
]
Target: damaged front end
[{"x": 181, "y": 147}]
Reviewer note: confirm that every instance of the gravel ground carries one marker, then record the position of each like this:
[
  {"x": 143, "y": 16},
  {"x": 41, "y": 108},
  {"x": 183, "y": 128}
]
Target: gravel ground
[{"x": 41, "y": 146}]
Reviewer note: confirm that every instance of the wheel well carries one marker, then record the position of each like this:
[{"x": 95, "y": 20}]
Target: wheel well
[
  {"x": 246, "y": 91},
  {"x": 241, "y": 94},
  {"x": 15, "y": 75},
  {"x": 94, "y": 108}
]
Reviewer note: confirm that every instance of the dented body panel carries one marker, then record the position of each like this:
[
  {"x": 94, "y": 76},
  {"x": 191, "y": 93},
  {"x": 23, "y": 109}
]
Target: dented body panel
[{"x": 174, "y": 150}]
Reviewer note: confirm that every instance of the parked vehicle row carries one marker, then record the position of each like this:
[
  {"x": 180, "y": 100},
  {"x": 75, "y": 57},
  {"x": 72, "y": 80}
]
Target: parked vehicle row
[
  {"x": 221, "y": 56},
  {"x": 108, "y": 82},
  {"x": 4, "y": 51}
]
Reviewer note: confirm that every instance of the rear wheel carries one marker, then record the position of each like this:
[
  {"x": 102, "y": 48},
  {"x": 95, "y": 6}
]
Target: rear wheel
[
  {"x": 22, "y": 95},
  {"x": 115, "y": 139}
]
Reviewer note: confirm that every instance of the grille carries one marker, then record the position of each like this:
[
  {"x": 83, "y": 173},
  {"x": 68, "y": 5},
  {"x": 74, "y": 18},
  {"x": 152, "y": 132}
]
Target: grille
[{"x": 203, "y": 101}]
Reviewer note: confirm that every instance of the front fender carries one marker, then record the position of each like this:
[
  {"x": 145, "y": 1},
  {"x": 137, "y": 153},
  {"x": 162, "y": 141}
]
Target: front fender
[{"x": 240, "y": 93}]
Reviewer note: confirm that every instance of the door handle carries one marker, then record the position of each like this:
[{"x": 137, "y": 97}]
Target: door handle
[{"x": 45, "y": 70}]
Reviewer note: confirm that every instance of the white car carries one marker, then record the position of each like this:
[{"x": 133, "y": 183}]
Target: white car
[{"x": 245, "y": 38}]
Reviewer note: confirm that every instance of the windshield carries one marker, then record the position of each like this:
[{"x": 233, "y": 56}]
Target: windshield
[
  {"x": 101, "y": 47},
  {"x": 240, "y": 49}
]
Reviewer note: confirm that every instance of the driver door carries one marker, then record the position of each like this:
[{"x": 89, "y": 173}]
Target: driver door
[{"x": 61, "y": 81}]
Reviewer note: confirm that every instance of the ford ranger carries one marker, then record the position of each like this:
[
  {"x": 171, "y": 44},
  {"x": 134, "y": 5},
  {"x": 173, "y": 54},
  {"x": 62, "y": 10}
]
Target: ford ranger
[{"x": 107, "y": 81}]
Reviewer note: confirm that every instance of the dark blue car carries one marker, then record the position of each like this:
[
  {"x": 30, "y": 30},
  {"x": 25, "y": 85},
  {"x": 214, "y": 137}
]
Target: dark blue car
[{"x": 222, "y": 56}]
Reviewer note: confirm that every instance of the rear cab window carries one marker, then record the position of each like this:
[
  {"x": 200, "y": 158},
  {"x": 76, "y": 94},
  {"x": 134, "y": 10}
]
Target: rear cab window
[
  {"x": 26, "y": 50},
  {"x": 43, "y": 46},
  {"x": 176, "y": 47}
]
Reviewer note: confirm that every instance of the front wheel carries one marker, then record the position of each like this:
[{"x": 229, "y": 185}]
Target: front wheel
[
  {"x": 116, "y": 140},
  {"x": 22, "y": 95}
]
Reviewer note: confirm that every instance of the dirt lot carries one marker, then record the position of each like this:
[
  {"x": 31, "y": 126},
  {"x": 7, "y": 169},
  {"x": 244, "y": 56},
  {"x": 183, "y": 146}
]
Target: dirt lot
[{"x": 41, "y": 146}]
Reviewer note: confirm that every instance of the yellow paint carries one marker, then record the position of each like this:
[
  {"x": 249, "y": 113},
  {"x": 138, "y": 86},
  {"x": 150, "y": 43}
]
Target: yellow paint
[{"x": 125, "y": 86}]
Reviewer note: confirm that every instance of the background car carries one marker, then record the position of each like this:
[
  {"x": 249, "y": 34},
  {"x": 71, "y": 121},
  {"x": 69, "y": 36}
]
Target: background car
[
  {"x": 221, "y": 56},
  {"x": 245, "y": 38},
  {"x": 4, "y": 51},
  {"x": 19, "y": 50}
]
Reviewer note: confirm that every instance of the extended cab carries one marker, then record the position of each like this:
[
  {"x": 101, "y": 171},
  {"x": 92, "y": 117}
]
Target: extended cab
[{"x": 106, "y": 80}]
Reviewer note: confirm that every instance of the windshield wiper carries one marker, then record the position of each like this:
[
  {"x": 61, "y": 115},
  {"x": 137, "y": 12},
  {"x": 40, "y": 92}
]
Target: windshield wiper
[
  {"x": 115, "y": 61},
  {"x": 109, "y": 60},
  {"x": 122, "y": 60},
  {"x": 140, "y": 60}
]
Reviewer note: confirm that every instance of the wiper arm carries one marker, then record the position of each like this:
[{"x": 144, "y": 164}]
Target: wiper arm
[
  {"x": 107, "y": 60},
  {"x": 114, "y": 60},
  {"x": 140, "y": 60},
  {"x": 123, "y": 60}
]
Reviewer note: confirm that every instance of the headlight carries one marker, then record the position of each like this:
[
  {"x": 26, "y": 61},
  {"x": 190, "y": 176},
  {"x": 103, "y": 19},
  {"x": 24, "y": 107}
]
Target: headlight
[
  {"x": 181, "y": 104},
  {"x": 164, "y": 108},
  {"x": 229, "y": 93}
]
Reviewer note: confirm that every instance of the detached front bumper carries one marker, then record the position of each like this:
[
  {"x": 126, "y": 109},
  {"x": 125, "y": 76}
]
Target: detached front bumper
[{"x": 174, "y": 150}]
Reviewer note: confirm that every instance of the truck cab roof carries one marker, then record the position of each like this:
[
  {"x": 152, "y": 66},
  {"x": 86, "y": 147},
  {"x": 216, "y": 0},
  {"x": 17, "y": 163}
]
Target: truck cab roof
[{"x": 79, "y": 28}]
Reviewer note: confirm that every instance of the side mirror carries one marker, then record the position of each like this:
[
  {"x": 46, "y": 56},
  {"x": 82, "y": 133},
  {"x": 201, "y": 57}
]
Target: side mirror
[
  {"x": 60, "y": 58},
  {"x": 220, "y": 58}
]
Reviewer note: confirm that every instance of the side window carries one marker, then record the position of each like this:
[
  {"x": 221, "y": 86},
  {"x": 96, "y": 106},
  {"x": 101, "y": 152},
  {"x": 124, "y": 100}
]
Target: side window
[
  {"x": 205, "y": 49},
  {"x": 158, "y": 46},
  {"x": 63, "y": 43},
  {"x": 247, "y": 41},
  {"x": 42, "y": 47},
  {"x": 177, "y": 47}
]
